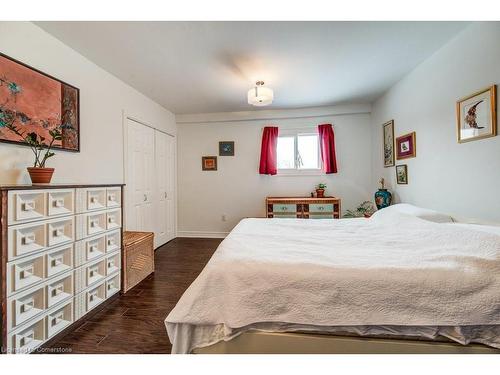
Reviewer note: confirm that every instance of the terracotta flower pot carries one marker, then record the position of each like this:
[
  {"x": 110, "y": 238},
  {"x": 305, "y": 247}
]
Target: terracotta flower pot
[
  {"x": 40, "y": 175},
  {"x": 320, "y": 193}
]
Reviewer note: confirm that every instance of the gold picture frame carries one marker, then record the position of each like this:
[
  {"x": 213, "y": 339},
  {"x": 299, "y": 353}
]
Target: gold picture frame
[
  {"x": 476, "y": 121},
  {"x": 402, "y": 174},
  {"x": 388, "y": 144},
  {"x": 406, "y": 146}
]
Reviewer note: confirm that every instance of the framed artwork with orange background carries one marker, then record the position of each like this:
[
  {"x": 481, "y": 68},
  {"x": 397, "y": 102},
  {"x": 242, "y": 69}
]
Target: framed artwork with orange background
[
  {"x": 209, "y": 163},
  {"x": 35, "y": 102}
]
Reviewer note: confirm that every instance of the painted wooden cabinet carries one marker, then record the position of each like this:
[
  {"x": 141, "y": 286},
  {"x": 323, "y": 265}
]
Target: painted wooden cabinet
[
  {"x": 60, "y": 258},
  {"x": 303, "y": 207}
]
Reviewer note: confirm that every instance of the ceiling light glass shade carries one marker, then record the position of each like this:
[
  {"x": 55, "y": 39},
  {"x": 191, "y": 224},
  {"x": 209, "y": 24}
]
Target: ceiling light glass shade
[{"x": 260, "y": 96}]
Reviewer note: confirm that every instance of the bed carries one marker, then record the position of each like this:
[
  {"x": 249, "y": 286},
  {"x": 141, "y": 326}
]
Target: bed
[{"x": 404, "y": 277}]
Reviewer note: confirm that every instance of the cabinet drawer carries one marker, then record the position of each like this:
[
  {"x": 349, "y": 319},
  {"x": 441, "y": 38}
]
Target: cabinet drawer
[
  {"x": 59, "y": 319},
  {"x": 113, "y": 197},
  {"x": 60, "y": 289},
  {"x": 90, "y": 224},
  {"x": 26, "y": 206},
  {"x": 113, "y": 242},
  {"x": 89, "y": 274},
  {"x": 113, "y": 219},
  {"x": 320, "y": 216},
  {"x": 112, "y": 263},
  {"x": 94, "y": 296},
  {"x": 60, "y": 231},
  {"x": 27, "y": 339},
  {"x": 24, "y": 306},
  {"x": 89, "y": 249},
  {"x": 60, "y": 202},
  {"x": 321, "y": 208},
  {"x": 59, "y": 260},
  {"x": 26, "y": 239},
  {"x": 112, "y": 285},
  {"x": 24, "y": 273},
  {"x": 284, "y": 208},
  {"x": 90, "y": 199}
]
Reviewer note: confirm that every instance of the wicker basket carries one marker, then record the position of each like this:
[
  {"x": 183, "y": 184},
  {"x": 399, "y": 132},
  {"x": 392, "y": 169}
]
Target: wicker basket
[{"x": 138, "y": 258}]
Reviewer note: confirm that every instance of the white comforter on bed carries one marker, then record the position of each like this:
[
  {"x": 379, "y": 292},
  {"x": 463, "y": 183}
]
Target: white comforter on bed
[{"x": 393, "y": 269}]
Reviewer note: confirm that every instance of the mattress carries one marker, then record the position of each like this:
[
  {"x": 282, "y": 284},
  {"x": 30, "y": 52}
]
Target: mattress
[{"x": 395, "y": 275}]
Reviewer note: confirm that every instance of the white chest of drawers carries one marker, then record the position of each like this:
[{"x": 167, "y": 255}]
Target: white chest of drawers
[{"x": 60, "y": 258}]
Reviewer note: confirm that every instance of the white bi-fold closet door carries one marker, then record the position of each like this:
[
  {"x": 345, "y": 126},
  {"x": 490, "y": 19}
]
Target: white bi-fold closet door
[{"x": 150, "y": 181}]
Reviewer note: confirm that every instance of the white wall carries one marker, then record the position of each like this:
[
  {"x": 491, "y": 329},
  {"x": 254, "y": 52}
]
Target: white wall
[
  {"x": 237, "y": 190},
  {"x": 462, "y": 179},
  {"x": 103, "y": 97}
]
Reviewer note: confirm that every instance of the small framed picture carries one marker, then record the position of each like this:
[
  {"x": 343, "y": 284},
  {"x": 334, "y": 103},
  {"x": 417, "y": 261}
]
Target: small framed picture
[
  {"x": 406, "y": 146},
  {"x": 226, "y": 148},
  {"x": 476, "y": 116},
  {"x": 388, "y": 143},
  {"x": 402, "y": 174},
  {"x": 209, "y": 163}
]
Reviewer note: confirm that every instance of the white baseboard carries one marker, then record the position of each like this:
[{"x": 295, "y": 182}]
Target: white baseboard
[{"x": 196, "y": 234}]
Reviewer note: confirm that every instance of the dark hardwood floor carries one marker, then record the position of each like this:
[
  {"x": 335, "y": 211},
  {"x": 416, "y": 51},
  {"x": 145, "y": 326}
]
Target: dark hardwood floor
[{"x": 133, "y": 323}]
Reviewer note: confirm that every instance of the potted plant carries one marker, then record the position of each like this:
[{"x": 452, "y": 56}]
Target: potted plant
[
  {"x": 320, "y": 190},
  {"x": 39, "y": 174},
  {"x": 365, "y": 209}
]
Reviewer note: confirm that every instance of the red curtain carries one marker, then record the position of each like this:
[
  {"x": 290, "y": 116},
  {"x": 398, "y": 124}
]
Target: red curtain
[
  {"x": 327, "y": 146},
  {"x": 268, "y": 163}
]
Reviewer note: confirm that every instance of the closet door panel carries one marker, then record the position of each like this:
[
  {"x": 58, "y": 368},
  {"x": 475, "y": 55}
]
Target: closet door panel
[
  {"x": 161, "y": 142},
  {"x": 171, "y": 188}
]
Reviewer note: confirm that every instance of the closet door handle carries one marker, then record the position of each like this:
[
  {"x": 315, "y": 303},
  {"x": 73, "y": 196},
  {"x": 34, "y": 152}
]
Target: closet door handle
[
  {"x": 145, "y": 197},
  {"x": 165, "y": 194}
]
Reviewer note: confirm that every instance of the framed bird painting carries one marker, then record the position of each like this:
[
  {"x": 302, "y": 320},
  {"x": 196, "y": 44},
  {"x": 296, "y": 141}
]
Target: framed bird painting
[{"x": 476, "y": 116}]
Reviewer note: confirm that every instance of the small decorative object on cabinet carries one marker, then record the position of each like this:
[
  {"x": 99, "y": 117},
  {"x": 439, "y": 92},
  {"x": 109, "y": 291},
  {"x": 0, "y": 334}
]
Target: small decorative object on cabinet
[
  {"x": 402, "y": 174},
  {"x": 303, "y": 207},
  {"x": 383, "y": 197},
  {"x": 42, "y": 150},
  {"x": 138, "y": 258},
  {"x": 226, "y": 148},
  {"x": 60, "y": 258},
  {"x": 476, "y": 116},
  {"x": 320, "y": 190},
  {"x": 209, "y": 163},
  {"x": 406, "y": 146}
]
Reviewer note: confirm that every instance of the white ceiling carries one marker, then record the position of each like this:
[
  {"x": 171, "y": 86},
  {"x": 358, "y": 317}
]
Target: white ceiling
[{"x": 199, "y": 67}]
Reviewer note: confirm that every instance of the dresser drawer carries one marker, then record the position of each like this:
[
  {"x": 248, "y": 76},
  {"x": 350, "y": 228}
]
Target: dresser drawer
[
  {"x": 89, "y": 249},
  {"x": 284, "y": 208},
  {"x": 90, "y": 224},
  {"x": 113, "y": 219},
  {"x": 27, "y": 338},
  {"x": 26, "y": 239},
  {"x": 26, "y": 206},
  {"x": 60, "y": 231},
  {"x": 94, "y": 296},
  {"x": 113, "y": 242},
  {"x": 60, "y": 289},
  {"x": 89, "y": 274},
  {"x": 59, "y": 319},
  {"x": 113, "y": 263},
  {"x": 113, "y": 197},
  {"x": 112, "y": 285},
  {"x": 321, "y": 216},
  {"x": 60, "y": 202},
  {"x": 59, "y": 260},
  {"x": 25, "y": 273},
  {"x": 321, "y": 208},
  {"x": 24, "y": 306},
  {"x": 90, "y": 199}
]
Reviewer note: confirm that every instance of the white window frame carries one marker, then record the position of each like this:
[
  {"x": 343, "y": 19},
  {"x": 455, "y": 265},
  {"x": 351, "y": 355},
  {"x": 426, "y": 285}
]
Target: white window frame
[{"x": 301, "y": 171}]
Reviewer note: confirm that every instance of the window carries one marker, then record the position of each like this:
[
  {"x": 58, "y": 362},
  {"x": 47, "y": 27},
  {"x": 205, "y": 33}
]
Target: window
[{"x": 298, "y": 152}]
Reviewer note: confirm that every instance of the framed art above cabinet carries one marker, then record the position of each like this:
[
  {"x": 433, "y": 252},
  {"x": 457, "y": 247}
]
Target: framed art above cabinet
[{"x": 35, "y": 102}]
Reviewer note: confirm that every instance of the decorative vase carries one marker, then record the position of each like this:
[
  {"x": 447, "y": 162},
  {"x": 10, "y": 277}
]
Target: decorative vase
[
  {"x": 320, "y": 193},
  {"x": 40, "y": 175},
  {"x": 383, "y": 198}
]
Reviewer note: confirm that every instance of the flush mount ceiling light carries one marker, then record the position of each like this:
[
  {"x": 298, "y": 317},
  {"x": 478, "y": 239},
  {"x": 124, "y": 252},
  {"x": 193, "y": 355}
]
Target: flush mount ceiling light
[{"x": 260, "y": 96}]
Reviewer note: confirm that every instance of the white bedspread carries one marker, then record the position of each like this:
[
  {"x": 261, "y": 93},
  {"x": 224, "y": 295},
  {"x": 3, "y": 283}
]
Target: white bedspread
[{"x": 390, "y": 270}]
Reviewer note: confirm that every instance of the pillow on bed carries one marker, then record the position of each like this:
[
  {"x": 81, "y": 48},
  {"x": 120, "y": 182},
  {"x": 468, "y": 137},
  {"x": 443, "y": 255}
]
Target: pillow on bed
[{"x": 422, "y": 213}]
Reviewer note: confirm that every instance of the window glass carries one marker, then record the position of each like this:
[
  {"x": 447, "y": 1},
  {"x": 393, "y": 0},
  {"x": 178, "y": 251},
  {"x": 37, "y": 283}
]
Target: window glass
[
  {"x": 307, "y": 151},
  {"x": 286, "y": 152}
]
